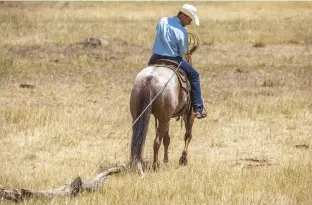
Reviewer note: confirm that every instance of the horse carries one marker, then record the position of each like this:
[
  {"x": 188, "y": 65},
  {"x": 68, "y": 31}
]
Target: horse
[{"x": 157, "y": 91}]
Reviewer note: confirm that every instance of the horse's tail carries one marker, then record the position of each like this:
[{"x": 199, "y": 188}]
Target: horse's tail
[{"x": 141, "y": 124}]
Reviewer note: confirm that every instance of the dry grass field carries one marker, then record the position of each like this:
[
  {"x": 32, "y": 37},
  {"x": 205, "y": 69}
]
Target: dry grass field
[{"x": 64, "y": 106}]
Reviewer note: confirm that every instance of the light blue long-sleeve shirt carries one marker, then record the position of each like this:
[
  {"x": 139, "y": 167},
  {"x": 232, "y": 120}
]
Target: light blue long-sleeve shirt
[{"x": 171, "y": 38}]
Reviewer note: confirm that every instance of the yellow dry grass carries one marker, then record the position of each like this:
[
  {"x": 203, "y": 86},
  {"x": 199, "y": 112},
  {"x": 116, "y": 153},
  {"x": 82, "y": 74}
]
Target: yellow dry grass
[{"x": 255, "y": 63}]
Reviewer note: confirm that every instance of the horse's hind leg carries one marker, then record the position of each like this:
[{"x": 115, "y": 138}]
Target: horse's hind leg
[
  {"x": 166, "y": 145},
  {"x": 162, "y": 131},
  {"x": 188, "y": 120}
]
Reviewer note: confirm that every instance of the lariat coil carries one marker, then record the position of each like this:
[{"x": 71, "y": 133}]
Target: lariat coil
[{"x": 193, "y": 45}]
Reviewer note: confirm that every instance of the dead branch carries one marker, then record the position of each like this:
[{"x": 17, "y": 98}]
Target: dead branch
[{"x": 76, "y": 187}]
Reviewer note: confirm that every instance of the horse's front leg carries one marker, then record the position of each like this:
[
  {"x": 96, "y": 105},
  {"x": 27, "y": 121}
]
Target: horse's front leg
[{"x": 188, "y": 120}]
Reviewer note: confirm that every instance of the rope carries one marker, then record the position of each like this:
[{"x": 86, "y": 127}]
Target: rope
[
  {"x": 142, "y": 112},
  {"x": 193, "y": 42}
]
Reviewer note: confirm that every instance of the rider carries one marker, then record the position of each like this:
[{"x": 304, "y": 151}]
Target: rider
[{"x": 171, "y": 43}]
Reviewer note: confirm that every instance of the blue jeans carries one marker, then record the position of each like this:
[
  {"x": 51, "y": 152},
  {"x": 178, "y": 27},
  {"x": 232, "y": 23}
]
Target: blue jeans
[{"x": 193, "y": 78}]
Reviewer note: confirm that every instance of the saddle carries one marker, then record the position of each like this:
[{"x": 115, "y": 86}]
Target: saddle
[{"x": 183, "y": 80}]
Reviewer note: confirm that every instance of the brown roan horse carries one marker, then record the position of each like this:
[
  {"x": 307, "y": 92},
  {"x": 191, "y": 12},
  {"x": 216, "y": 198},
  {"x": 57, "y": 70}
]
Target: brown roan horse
[{"x": 172, "y": 98}]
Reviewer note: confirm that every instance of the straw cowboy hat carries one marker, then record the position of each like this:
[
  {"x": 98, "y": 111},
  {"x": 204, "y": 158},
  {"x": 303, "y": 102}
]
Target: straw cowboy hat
[{"x": 190, "y": 11}]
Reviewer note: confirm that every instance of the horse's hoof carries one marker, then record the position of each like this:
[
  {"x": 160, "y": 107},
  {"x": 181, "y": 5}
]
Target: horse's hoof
[
  {"x": 166, "y": 160},
  {"x": 183, "y": 161},
  {"x": 155, "y": 166},
  {"x": 140, "y": 168}
]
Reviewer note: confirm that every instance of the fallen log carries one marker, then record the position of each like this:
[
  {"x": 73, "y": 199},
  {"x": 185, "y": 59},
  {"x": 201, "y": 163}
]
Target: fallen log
[{"x": 76, "y": 187}]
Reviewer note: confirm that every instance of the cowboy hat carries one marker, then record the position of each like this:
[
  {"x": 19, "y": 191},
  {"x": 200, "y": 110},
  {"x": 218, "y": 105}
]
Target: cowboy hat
[{"x": 190, "y": 11}]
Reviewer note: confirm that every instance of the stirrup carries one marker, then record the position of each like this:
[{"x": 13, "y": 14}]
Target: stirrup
[{"x": 201, "y": 114}]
